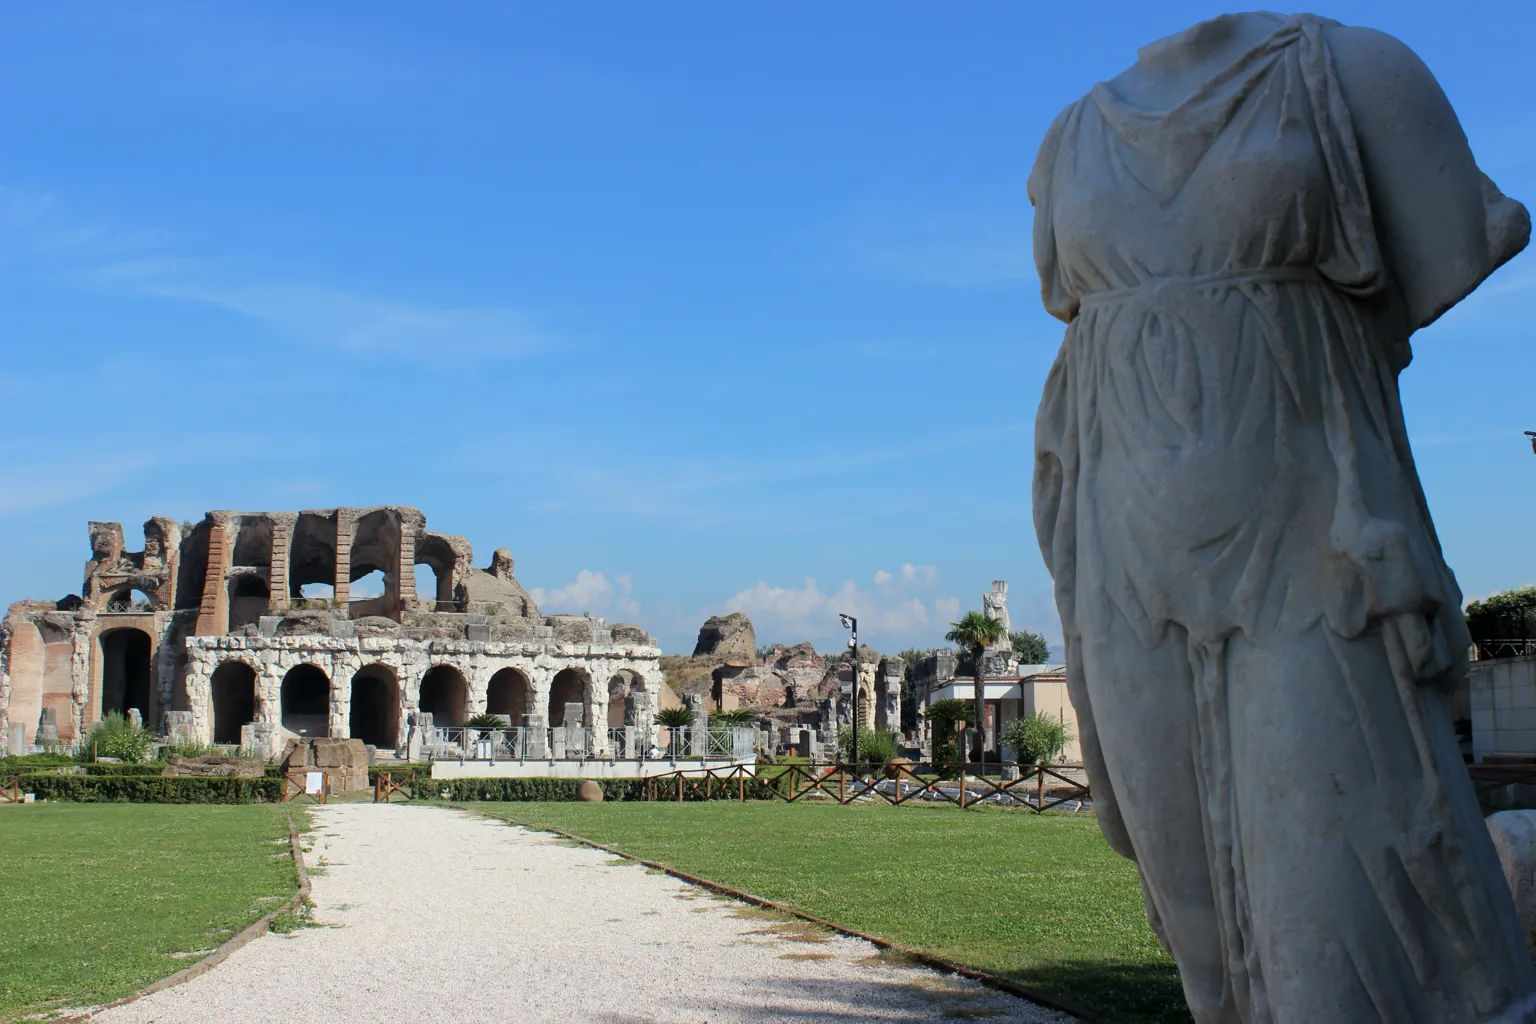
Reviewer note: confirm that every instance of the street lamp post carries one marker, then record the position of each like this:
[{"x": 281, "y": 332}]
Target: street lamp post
[
  {"x": 852, "y": 625},
  {"x": 1532, "y": 435}
]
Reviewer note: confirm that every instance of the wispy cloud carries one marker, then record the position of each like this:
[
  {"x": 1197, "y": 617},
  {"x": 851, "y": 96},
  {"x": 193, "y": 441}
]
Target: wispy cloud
[
  {"x": 982, "y": 246},
  {"x": 101, "y": 257},
  {"x": 614, "y": 480},
  {"x": 351, "y": 322}
]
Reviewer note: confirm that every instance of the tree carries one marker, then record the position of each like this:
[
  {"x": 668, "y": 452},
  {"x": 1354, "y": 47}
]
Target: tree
[
  {"x": 735, "y": 717},
  {"x": 942, "y": 716},
  {"x": 675, "y": 719},
  {"x": 976, "y": 631},
  {"x": 1502, "y": 623},
  {"x": 1030, "y": 647}
]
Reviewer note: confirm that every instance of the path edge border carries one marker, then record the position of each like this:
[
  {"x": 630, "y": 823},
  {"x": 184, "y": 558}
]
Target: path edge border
[
  {"x": 927, "y": 959},
  {"x": 254, "y": 930}
]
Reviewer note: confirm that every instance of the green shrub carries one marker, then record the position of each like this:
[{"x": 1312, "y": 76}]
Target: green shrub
[
  {"x": 115, "y": 736},
  {"x": 674, "y": 718},
  {"x": 148, "y": 789},
  {"x": 876, "y": 747},
  {"x": 1037, "y": 737},
  {"x": 734, "y": 718}
]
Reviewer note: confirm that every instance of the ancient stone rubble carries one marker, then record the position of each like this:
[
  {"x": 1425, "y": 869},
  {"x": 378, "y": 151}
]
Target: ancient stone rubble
[
  {"x": 800, "y": 698},
  {"x": 207, "y": 634}
]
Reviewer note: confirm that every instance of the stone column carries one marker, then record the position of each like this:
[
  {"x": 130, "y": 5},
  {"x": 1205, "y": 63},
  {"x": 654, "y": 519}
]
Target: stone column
[
  {"x": 282, "y": 546},
  {"x": 213, "y": 612},
  {"x": 346, "y": 519},
  {"x": 406, "y": 572}
]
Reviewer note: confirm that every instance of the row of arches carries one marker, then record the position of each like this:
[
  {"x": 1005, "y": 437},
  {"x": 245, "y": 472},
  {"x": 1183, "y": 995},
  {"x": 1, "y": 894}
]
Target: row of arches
[{"x": 305, "y": 700}]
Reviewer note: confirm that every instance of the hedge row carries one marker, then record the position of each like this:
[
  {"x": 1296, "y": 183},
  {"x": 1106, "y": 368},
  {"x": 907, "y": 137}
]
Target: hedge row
[
  {"x": 151, "y": 789},
  {"x": 144, "y": 768}
]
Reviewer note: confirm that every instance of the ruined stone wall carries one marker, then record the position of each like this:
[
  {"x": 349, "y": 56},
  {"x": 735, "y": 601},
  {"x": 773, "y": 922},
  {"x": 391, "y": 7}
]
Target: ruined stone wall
[{"x": 341, "y": 658}]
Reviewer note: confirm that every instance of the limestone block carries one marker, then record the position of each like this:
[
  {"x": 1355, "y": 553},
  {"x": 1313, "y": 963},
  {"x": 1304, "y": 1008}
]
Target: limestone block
[{"x": 1514, "y": 837}]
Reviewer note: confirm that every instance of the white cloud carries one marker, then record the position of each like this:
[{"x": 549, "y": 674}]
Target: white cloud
[
  {"x": 886, "y": 620},
  {"x": 912, "y": 573},
  {"x": 590, "y": 592}
]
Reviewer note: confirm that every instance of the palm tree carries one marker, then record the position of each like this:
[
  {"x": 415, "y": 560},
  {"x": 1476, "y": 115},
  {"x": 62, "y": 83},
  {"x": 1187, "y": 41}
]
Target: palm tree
[
  {"x": 976, "y": 631},
  {"x": 675, "y": 719}
]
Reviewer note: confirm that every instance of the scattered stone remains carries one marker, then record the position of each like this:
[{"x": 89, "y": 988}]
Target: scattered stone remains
[
  {"x": 207, "y": 634},
  {"x": 801, "y": 699}
]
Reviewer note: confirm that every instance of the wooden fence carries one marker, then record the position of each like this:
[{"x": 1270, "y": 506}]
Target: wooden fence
[{"x": 896, "y": 785}]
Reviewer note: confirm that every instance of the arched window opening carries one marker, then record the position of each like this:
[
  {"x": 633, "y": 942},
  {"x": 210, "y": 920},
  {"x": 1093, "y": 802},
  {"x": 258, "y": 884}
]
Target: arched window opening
[
  {"x": 375, "y": 715},
  {"x": 306, "y": 701},
  {"x": 125, "y": 671},
  {"x": 426, "y": 582},
  {"x": 233, "y": 688},
  {"x": 248, "y": 600},
  {"x": 130, "y": 600},
  {"x": 568, "y": 687},
  {"x": 444, "y": 695},
  {"x": 253, "y": 543},
  {"x": 368, "y": 586},
  {"x": 317, "y": 594},
  {"x": 508, "y": 695}
]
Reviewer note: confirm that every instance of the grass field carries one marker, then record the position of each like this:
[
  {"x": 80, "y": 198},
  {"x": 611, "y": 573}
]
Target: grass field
[
  {"x": 101, "y": 899},
  {"x": 1039, "y": 899}
]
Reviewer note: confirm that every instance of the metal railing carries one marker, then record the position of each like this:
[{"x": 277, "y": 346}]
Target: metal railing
[
  {"x": 518, "y": 743},
  {"x": 1511, "y": 648}
]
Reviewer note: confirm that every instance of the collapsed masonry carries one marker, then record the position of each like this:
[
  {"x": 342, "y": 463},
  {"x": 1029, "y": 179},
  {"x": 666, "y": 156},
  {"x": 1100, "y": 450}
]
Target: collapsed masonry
[
  {"x": 800, "y": 698},
  {"x": 208, "y": 635}
]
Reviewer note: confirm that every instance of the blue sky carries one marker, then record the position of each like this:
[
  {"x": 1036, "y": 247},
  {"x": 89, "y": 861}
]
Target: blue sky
[{"x": 694, "y": 306}]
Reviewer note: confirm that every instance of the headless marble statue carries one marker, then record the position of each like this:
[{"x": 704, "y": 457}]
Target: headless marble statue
[{"x": 1241, "y": 232}]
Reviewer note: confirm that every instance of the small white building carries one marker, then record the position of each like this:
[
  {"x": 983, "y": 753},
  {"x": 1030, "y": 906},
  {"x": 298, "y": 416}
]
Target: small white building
[{"x": 1011, "y": 691}]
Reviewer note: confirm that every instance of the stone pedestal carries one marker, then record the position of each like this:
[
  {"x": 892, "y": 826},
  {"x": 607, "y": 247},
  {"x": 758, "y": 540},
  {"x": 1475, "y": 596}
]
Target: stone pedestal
[
  {"x": 15, "y": 738},
  {"x": 345, "y": 762}
]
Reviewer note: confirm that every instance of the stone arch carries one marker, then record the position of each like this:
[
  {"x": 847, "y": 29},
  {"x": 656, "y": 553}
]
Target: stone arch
[
  {"x": 126, "y": 672},
  {"x": 249, "y": 596},
  {"x": 192, "y": 567},
  {"x": 508, "y": 694},
  {"x": 375, "y": 716},
  {"x": 570, "y": 686},
  {"x": 312, "y": 552},
  {"x": 305, "y": 699},
  {"x": 253, "y": 542},
  {"x": 444, "y": 694},
  {"x": 232, "y": 688},
  {"x": 435, "y": 552},
  {"x": 618, "y": 693},
  {"x": 140, "y": 594}
]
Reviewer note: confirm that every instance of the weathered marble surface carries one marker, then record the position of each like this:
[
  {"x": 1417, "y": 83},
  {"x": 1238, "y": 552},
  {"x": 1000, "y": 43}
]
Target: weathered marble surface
[{"x": 1242, "y": 231}]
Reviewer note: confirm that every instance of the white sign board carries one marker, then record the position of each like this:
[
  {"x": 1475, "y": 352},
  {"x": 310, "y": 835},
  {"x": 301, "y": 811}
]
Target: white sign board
[{"x": 314, "y": 783}]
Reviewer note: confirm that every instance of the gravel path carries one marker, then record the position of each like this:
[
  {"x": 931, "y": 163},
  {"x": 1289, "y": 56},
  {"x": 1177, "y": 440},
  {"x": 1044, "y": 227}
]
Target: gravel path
[{"x": 428, "y": 914}]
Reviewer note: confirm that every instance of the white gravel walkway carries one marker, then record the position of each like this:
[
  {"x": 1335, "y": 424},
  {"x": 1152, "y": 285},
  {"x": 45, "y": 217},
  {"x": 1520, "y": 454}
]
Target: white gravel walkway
[{"x": 429, "y": 915}]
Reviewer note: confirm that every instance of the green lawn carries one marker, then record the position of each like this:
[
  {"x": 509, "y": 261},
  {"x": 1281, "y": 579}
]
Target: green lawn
[
  {"x": 96, "y": 897},
  {"x": 1039, "y": 899}
]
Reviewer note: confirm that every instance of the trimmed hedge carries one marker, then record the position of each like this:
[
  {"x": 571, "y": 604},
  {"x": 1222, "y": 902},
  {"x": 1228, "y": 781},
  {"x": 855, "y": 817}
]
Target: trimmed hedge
[
  {"x": 16, "y": 764},
  {"x": 144, "y": 768},
  {"x": 151, "y": 789},
  {"x": 525, "y": 789}
]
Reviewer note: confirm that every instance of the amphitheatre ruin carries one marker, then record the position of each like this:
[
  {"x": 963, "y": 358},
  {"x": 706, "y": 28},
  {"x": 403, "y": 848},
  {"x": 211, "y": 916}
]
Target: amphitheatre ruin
[{"x": 206, "y": 633}]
